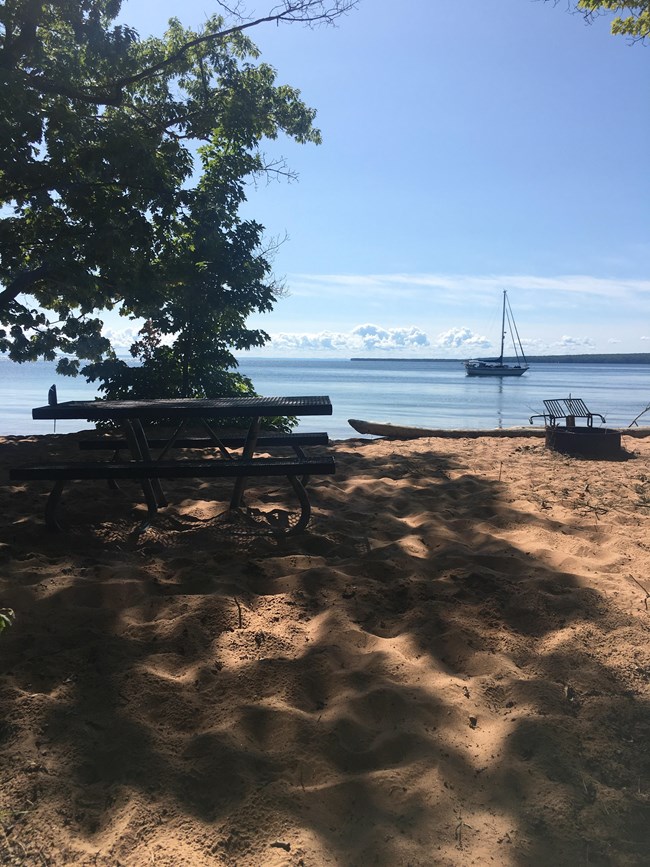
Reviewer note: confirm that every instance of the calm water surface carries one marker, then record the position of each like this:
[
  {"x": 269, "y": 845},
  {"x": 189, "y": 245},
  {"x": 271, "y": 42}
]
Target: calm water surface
[{"x": 429, "y": 394}]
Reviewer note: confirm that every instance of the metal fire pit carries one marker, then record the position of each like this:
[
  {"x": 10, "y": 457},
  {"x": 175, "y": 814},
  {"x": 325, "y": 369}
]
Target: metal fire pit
[
  {"x": 588, "y": 442},
  {"x": 571, "y": 439}
]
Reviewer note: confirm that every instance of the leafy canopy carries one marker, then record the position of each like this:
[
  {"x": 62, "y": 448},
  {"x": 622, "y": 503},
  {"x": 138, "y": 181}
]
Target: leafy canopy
[
  {"x": 210, "y": 274},
  {"x": 631, "y": 19},
  {"x": 100, "y": 205}
]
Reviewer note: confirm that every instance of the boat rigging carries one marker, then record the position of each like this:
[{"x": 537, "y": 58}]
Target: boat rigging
[{"x": 487, "y": 367}]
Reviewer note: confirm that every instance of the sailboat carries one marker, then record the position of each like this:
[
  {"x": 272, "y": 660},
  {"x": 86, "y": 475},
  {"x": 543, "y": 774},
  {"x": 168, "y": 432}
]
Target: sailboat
[{"x": 497, "y": 367}]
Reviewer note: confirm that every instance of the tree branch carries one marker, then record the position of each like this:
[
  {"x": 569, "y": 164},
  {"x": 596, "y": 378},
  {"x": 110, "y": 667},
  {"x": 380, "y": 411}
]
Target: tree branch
[
  {"x": 293, "y": 10},
  {"x": 22, "y": 283},
  {"x": 306, "y": 11}
]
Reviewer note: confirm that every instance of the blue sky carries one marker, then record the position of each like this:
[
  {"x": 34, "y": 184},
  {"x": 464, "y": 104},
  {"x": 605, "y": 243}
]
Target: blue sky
[{"x": 467, "y": 148}]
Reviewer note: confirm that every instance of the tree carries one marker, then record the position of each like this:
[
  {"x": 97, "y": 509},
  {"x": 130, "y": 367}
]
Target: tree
[
  {"x": 211, "y": 271},
  {"x": 97, "y": 130},
  {"x": 632, "y": 19}
]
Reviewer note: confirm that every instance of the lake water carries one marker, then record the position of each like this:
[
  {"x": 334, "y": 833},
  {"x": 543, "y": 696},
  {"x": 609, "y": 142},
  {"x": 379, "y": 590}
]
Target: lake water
[{"x": 428, "y": 394}]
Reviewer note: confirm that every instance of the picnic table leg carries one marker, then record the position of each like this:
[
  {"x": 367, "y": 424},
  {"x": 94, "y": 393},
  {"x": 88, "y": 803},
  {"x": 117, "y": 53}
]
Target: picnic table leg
[
  {"x": 249, "y": 448},
  {"x": 216, "y": 440},
  {"x": 161, "y": 499},
  {"x": 170, "y": 443},
  {"x": 136, "y": 451},
  {"x": 305, "y": 505}
]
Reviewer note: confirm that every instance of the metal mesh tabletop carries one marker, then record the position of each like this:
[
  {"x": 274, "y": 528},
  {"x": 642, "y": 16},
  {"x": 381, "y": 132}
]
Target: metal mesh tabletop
[{"x": 223, "y": 407}]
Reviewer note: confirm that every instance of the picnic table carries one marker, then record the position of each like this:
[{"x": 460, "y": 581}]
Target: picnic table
[{"x": 133, "y": 415}]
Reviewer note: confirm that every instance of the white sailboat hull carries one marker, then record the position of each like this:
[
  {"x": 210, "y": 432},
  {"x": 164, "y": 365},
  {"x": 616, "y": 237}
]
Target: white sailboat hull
[{"x": 493, "y": 370}]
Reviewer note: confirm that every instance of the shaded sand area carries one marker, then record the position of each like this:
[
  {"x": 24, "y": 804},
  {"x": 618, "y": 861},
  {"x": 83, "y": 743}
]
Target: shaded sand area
[{"x": 450, "y": 667}]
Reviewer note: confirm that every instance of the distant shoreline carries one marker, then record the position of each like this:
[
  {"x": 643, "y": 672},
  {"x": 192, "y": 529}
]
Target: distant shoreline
[{"x": 596, "y": 358}]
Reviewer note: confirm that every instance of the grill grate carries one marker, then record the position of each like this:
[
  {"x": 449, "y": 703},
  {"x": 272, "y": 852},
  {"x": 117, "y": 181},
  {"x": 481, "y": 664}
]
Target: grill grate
[{"x": 566, "y": 408}]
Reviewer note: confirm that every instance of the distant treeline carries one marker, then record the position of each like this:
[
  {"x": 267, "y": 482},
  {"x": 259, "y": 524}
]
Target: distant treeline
[
  {"x": 613, "y": 358},
  {"x": 595, "y": 358}
]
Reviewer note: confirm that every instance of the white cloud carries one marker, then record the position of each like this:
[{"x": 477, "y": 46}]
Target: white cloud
[
  {"x": 456, "y": 338},
  {"x": 121, "y": 338},
  {"x": 469, "y": 286},
  {"x": 645, "y": 338},
  {"x": 323, "y": 341},
  {"x": 375, "y": 337},
  {"x": 365, "y": 337},
  {"x": 613, "y": 340},
  {"x": 567, "y": 342}
]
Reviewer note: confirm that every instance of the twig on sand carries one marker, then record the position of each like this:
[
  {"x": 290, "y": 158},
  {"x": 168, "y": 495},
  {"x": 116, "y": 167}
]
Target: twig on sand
[
  {"x": 647, "y": 594},
  {"x": 458, "y": 833},
  {"x": 597, "y": 510},
  {"x": 239, "y": 612},
  {"x": 643, "y": 412}
]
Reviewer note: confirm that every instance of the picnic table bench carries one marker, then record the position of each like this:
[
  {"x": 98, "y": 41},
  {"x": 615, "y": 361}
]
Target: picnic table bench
[
  {"x": 295, "y": 441},
  {"x": 150, "y": 472}
]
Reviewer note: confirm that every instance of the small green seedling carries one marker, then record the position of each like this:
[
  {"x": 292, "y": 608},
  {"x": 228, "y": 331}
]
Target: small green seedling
[{"x": 7, "y": 617}]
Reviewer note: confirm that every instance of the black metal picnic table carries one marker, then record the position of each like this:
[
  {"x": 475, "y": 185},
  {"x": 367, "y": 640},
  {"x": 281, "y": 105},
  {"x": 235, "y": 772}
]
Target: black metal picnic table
[{"x": 133, "y": 414}]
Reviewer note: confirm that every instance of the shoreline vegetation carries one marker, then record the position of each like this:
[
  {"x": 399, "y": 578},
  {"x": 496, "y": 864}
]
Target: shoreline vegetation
[{"x": 596, "y": 358}]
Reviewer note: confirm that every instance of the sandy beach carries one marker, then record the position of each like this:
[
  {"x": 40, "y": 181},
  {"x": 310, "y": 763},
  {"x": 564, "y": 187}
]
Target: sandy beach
[{"x": 450, "y": 667}]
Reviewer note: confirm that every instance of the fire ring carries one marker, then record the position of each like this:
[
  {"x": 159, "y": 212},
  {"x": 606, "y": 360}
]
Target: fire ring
[{"x": 587, "y": 442}]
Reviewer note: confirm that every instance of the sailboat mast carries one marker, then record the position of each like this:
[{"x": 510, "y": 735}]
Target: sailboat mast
[{"x": 503, "y": 326}]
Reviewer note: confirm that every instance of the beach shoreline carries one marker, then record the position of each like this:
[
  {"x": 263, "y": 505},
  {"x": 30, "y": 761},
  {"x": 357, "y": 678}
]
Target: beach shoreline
[
  {"x": 450, "y": 666},
  {"x": 396, "y": 432},
  {"x": 521, "y": 431}
]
